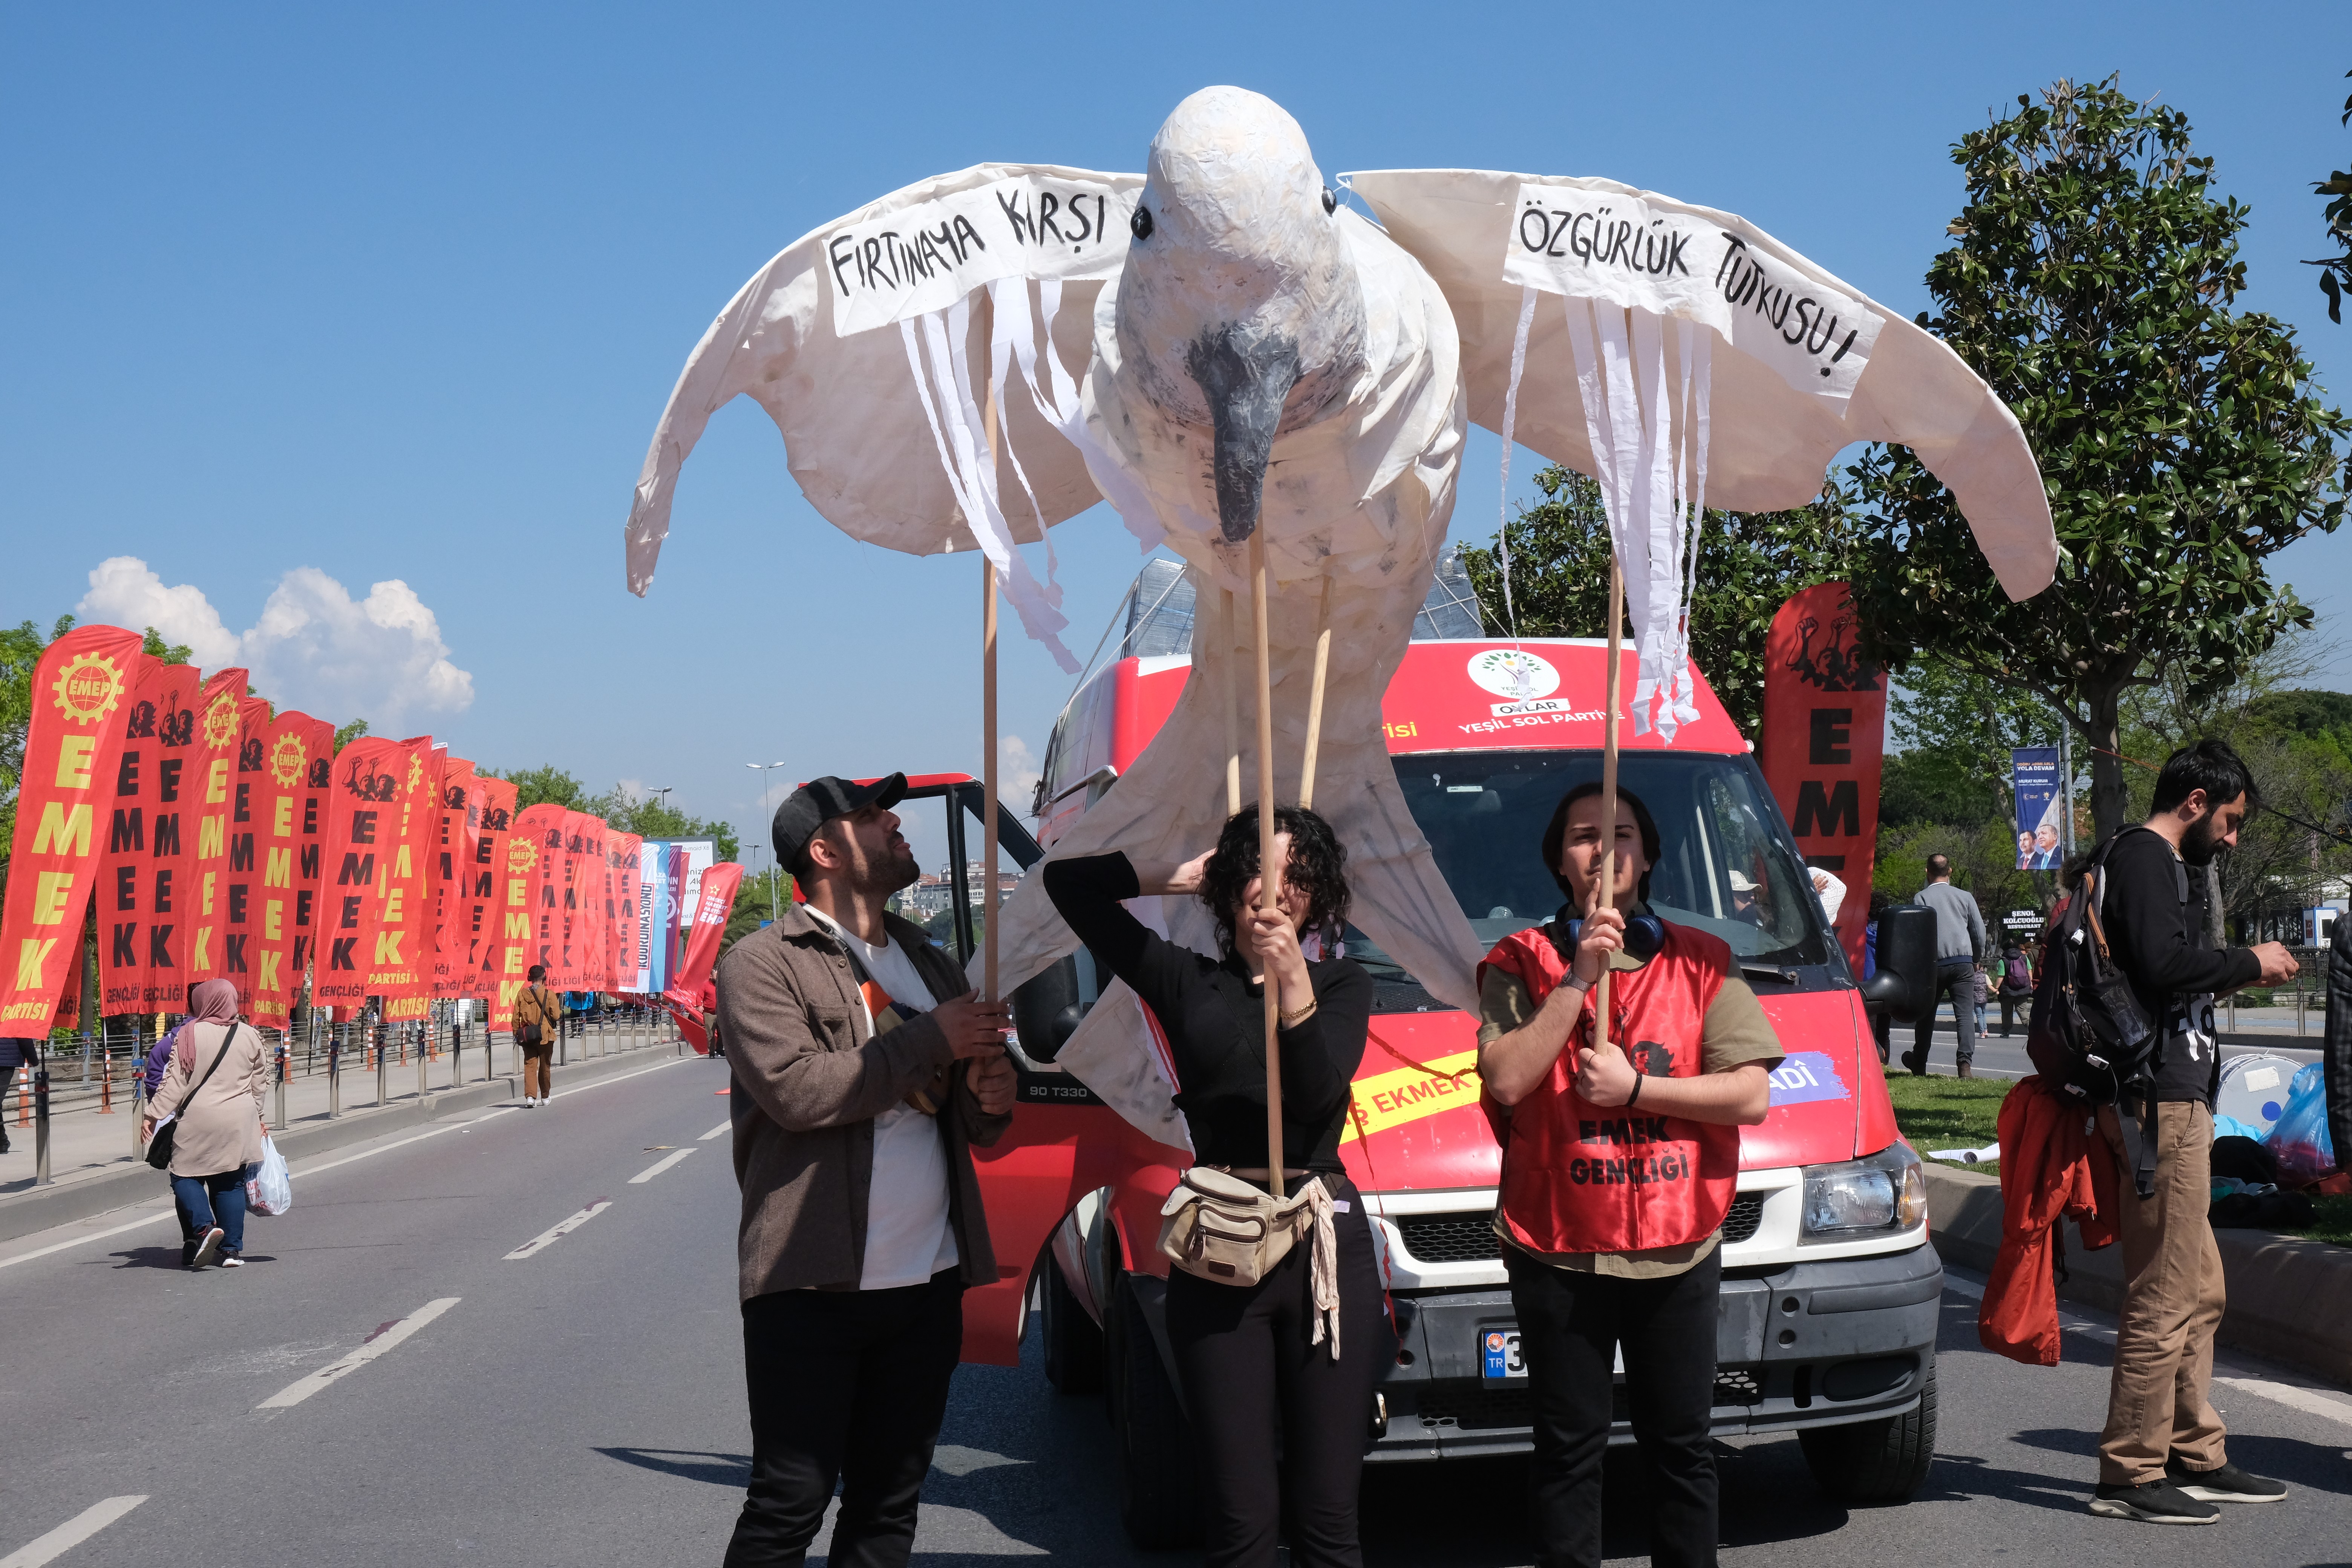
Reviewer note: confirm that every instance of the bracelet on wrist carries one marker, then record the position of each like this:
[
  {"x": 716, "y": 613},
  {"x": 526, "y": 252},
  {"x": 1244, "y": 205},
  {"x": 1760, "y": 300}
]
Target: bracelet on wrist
[
  {"x": 1637, "y": 1089},
  {"x": 1290, "y": 1020}
]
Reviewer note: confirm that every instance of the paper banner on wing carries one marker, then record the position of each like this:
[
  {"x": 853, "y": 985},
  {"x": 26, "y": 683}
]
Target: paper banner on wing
[
  {"x": 297, "y": 764},
  {"x": 124, "y": 868},
  {"x": 492, "y": 906},
  {"x": 454, "y": 877},
  {"x": 211, "y": 768},
  {"x": 81, "y": 686}
]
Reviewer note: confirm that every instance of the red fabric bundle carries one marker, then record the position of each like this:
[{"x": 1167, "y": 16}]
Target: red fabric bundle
[{"x": 2053, "y": 1166}]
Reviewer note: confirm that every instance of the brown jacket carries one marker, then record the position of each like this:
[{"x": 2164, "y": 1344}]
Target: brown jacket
[
  {"x": 536, "y": 1005},
  {"x": 809, "y": 1078}
]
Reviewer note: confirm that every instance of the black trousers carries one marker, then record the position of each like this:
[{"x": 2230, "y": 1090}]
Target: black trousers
[
  {"x": 1253, "y": 1383},
  {"x": 1570, "y": 1324},
  {"x": 846, "y": 1385}
]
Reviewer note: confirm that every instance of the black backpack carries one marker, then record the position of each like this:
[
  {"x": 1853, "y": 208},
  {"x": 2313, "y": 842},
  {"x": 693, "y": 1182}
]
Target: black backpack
[{"x": 2089, "y": 1034}]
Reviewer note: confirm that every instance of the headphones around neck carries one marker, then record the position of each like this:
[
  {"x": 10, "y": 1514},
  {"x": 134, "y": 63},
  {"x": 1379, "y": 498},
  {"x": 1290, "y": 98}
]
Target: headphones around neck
[{"x": 1644, "y": 934}]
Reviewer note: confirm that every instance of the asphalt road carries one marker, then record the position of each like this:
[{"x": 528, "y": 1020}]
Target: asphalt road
[
  {"x": 582, "y": 1404},
  {"x": 1998, "y": 1058}
]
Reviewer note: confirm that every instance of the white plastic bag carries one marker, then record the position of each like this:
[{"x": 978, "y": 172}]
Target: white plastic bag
[{"x": 270, "y": 1191}]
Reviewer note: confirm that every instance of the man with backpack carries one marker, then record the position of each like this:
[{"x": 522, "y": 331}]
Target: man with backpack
[
  {"x": 537, "y": 1019},
  {"x": 2016, "y": 985},
  {"x": 1960, "y": 938},
  {"x": 2162, "y": 1458}
]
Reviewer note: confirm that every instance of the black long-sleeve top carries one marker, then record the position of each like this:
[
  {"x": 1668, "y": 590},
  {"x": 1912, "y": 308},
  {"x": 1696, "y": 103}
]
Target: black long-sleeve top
[
  {"x": 1215, "y": 1022},
  {"x": 2155, "y": 917}
]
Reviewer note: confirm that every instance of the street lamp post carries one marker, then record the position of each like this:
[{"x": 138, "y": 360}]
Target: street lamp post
[{"x": 763, "y": 770}]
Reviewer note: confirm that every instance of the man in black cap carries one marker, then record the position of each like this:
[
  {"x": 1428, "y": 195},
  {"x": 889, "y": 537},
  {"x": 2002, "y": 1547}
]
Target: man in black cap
[{"x": 865, "y": 1071}]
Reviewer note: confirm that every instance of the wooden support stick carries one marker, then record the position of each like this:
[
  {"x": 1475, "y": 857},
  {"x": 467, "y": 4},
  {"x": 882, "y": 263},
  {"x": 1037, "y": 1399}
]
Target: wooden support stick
[
  {"x": 1315, "y": 697},
  {"x": 1227, "y": 649},
  {"x": 1270, "y": 866},
  {"x": 987, "y": 724},
  {"x": 1608, "y": 863}
]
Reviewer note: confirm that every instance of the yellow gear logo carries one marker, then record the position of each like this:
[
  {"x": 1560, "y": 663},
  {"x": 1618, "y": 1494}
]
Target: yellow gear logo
[
  {"x": 87, "y": 688},
  {"x": 521, "y": 855},
  {"x": 220, "y": 723},
  {"x": 287, "y": 759}
]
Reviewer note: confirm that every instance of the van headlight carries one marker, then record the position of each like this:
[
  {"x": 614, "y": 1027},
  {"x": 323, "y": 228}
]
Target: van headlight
[{"x": 1887, "y": 1191}]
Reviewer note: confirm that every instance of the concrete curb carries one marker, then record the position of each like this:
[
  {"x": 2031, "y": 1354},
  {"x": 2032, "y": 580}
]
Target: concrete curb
[
  {"x": 135, "y": 1181},
  {"x": 2287, "y": 1295}
]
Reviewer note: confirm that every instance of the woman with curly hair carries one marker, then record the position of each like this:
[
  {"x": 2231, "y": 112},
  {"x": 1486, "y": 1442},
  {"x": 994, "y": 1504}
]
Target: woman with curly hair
[{"x": 1256, "y": 1361}]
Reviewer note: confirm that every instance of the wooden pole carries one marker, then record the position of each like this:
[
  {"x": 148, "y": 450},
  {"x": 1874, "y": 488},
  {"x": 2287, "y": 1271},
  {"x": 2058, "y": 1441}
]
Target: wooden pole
[
  {"x": 1270, "y": 866},
  {"x": 988, "y": 946},
  {"x": 1227, "y": 648},
  {"x": 1609, "y": 786},
  {"x": 1315, "y": 697}
]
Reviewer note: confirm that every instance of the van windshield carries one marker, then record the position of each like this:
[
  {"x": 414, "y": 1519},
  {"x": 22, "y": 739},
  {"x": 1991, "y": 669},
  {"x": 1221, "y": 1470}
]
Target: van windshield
[{"x": 1725, "y": 863}]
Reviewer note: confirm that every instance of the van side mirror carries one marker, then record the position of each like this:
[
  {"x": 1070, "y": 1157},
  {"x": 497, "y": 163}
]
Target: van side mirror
[
  {"x": 1045, "y": 1010},
  {"x": 1905, "y": 987}
]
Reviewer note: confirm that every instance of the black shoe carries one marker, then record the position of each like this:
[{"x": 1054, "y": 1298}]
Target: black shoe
[
  {"x": 2228, "y": 1484},
  {"x": 1916, "y": 1063},
  {"x": 2152, "y": 1502}
]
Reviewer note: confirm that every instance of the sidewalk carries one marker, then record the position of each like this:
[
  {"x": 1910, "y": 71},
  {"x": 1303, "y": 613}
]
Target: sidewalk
[{"x": 94, "y": 1165}]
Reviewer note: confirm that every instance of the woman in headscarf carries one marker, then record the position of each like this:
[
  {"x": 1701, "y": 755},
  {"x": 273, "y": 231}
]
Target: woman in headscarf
[{"x": 214, "y": 1086}]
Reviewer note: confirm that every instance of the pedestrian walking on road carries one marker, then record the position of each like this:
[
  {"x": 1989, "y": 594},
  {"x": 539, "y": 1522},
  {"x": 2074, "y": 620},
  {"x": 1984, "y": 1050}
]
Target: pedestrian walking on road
[
  {"x": 2163, "y": 1457},
  {"x": 1597, "y": 1267},
  {"x": 212, "y": 1094},
  {"x": 1285, "y": 1366},
  {"x": 2016, "y": 985},
  {"x": 16, "y": 1051},
  {"x": 864, "y": 1072},
  {"x": 538, "y": 1017},
  {"x": 1960, "y": 939}
]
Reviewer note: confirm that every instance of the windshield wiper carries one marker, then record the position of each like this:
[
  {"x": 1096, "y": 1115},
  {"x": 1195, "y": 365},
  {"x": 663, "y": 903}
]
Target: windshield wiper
[{"x": 1767, "y": 972}]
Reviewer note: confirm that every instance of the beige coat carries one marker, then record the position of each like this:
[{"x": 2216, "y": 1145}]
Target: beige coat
[{"x": 220, "y": 1129}]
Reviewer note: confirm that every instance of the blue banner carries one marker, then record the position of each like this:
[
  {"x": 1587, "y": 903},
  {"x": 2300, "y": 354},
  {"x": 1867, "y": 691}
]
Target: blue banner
[{"x": 2035, "y": 770}]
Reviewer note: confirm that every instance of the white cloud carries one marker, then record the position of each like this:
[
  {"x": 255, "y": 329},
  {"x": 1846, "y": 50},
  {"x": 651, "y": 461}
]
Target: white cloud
[
  {"x": 1017, "y": 773},
  {"x": 315, "y": 647}
]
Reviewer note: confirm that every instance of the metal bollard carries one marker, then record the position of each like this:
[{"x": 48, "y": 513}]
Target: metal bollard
[
  {"x": 40, "y": 1118},
  {"x": 381, "y": 1062},
  {"x": 334, "y": 1076},
  {"x": 424, "y": 1057},
  {"x": 281, "y": 1086}
]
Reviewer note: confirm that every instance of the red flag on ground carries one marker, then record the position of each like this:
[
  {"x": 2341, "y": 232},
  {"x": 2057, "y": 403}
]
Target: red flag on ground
[
  {"x": 1824, "y": 739},
  {"x": 81, "y": 689}
]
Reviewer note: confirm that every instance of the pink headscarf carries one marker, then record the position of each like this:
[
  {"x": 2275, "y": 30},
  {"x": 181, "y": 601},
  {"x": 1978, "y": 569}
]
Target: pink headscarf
[{"x": 209, "y": 1002}]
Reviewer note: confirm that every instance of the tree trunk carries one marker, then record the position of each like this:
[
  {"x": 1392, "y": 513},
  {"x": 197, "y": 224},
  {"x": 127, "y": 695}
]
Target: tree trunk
[{"x": 2109, "y": 797}]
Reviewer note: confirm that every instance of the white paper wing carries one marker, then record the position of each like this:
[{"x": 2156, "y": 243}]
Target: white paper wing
[
  {"x": 815, "y": 338},
  {"x": 1804, "y": 365}
]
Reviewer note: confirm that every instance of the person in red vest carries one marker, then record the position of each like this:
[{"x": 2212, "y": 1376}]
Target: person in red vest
[{"x": 1619, "y": 1161}]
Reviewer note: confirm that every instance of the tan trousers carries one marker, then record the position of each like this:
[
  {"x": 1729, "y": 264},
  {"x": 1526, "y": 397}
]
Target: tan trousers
[
  {"x": 2173, "y": 1298},
  {"x": 537, "y": 1067}
]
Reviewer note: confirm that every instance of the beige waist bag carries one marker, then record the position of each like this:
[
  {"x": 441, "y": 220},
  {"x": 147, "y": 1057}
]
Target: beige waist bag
[{"x": 1217, "y": 1226}]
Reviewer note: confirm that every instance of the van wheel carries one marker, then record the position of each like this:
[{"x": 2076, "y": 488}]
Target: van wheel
[
  {"x": 1157, "y": 1493},
  {"x": 1875, "y": 1461},
  {"x": 1074, "y": 1341}
]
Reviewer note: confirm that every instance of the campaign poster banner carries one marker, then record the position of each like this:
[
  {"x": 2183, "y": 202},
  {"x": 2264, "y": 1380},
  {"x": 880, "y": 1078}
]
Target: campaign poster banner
[
  {"x": 654, "y": 921},
  {"x": 219, "y": 720},
  {"x": 453, "y": 878},
  {"x": 2035, "y": 772},
  {"x": 248, "y": 809},
  {"x": 1824, "y": 744},
  {"x": 628, "y": 853},
  {"x": 73, "y": 744},
  {"x": 374, "y": 893},
  {"x": 122, "y": 865},
  {"x": 538, "y": 832},
  {"x": 584, "y": 901},
  {"x": 171, "y": 838},
  {"x": 714, "y": 903},
  {"x": 486, "y": 948},
  {"x": 296, "y": 771}
]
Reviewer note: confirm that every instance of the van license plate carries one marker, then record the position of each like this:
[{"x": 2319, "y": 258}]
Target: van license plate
[{"x": 1498, "y": 1351}]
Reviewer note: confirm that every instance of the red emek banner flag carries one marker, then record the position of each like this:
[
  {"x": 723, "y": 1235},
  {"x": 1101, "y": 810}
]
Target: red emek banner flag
[
  {"x": 171, "y": 832},
  {"x": 248, "y": 810},
  {"x": 539, "y": 831},
  {"x": 294, "y": 769},
  {"x": 370, "y": 898},
  {"x": 626, "y": 855},
  {"x": 453, "y": 879},
  {"x": 81, "y": 689},
  {"x": 490, "y": 950},
  {"x": 583, "y": 856},
  {"x": 123, "y": 866},
  {"x": 1824, "y": 739},
  {"x": 691, "y": 986},
  {"x": 213, "y": 769}
]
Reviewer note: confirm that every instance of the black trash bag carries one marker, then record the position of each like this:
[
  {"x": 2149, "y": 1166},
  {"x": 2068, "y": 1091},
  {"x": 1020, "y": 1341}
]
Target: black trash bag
[{"x": 2246, "y": 1160}]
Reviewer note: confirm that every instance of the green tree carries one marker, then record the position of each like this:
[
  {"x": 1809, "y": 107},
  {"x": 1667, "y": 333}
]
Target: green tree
[
  {"x": 2181, "y": 444},
  {"x": 1952, "y": 732},
  {"x": 2336, "y": 271},
  {"x": 623, "y": 810},
  {"x": 1749, "y": 564}
]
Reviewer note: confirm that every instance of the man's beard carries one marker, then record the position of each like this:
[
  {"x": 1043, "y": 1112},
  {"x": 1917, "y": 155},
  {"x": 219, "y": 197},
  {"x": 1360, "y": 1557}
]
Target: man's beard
[
  {"x": 2201, "y": 842},
  {"x": 887, "y": 872}
]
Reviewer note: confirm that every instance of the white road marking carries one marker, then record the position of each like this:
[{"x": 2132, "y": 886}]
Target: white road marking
[
  {"x": 382, "y": 1339},
  {"x": 658, "y": 1166},
  {"x": 93, "y": 1236},
  {"x": 547, "y": 1238},
  {"x": 2308, "y": 1399},
  {"x": 294, "y": 1175},
  {"x": 619, "y": 1078},
  {"x": 714, "y": 1132},
  {"x": 71, "y": 1533}
]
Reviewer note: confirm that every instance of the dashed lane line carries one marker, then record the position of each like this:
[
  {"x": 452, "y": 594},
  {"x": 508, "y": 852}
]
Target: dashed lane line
[
  {"x": 71, "y": 1533},
  {"x": 548, "y": 1237},
  {"x": 382, "y": 1339},
  {"x": 658, "y": 1166},
  {"x": 715, "y": 1132},
  {"x": 2309, "y": 1399}
]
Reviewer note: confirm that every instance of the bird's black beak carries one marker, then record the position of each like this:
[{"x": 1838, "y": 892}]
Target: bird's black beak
[{"x": 1246, "y": 376}]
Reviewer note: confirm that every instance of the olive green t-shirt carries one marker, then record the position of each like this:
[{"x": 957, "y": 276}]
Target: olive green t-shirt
[{"x": 1734, "y": 1031}]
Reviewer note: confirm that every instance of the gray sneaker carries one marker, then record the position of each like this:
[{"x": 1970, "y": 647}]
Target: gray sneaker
[
  {"x": 209, "y": 1248},
  {"x": 2227, "y": 1484},
  {"x": 2152, "y": 1502}
]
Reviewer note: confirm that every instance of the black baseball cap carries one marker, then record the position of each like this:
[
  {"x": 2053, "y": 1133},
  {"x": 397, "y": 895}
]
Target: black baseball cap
[{"x": 818, "y": 802}]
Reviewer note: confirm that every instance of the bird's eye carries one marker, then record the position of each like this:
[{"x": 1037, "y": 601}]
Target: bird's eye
[
  {"x": 1331, "y": 201},
  {"x": 1139, "y": 225}
]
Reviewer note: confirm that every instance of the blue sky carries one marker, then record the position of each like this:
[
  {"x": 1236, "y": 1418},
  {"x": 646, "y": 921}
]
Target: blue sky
[{"x": 302, "y": 301}]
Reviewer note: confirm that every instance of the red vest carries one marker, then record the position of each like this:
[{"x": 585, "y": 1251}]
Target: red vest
[{"x": 1579, "y": 1177}]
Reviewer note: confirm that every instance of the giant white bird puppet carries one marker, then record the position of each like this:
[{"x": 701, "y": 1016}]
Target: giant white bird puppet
[{"x": 1220, "y": 347}]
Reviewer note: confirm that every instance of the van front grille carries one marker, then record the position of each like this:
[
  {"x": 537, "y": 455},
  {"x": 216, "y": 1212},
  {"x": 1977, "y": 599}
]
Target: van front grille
[{"x": 1470, "y": 1239}]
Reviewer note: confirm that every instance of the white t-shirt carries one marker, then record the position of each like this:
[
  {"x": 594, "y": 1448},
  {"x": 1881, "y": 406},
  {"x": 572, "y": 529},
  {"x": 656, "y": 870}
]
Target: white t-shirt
[{"x": 908, "y": 1237}]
